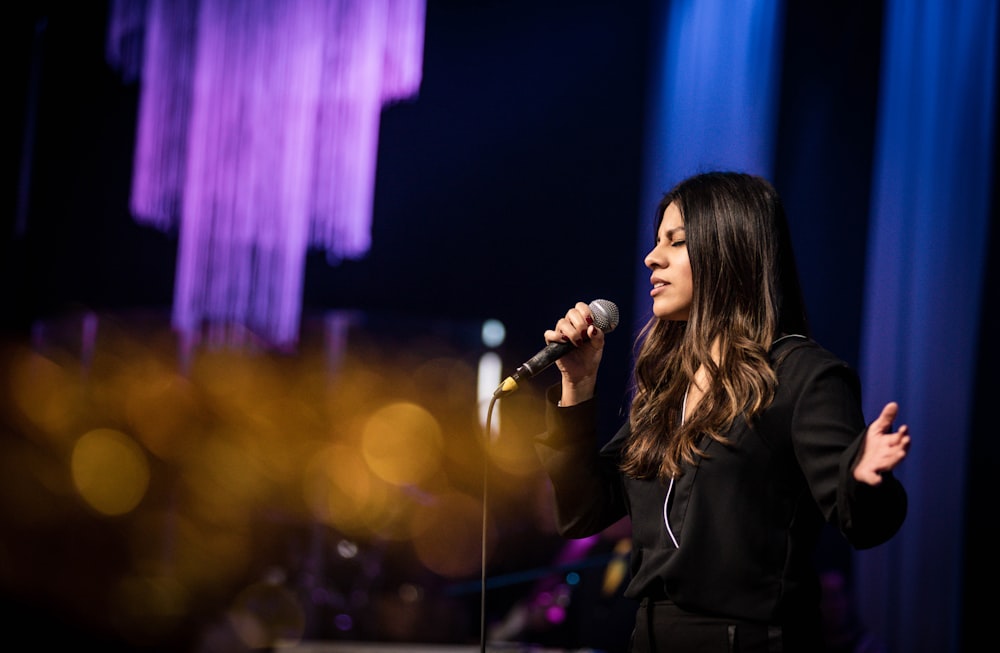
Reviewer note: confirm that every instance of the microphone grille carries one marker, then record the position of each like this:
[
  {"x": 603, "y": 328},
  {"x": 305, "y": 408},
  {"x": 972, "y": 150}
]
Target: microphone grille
[{"x": 605, "y": 315}]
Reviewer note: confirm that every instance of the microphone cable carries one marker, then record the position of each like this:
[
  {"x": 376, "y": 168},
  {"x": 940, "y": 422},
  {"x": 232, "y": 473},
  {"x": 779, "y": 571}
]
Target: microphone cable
[
  {"x": 487, "y": 441},
  {"x": 605, "y": 318}
]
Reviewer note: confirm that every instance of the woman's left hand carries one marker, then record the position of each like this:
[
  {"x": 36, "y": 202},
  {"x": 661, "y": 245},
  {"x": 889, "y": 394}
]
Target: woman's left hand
[{"x": 883, "y": 448}]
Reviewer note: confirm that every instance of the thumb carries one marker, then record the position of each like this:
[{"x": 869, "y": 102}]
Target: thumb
[{"x": 883, "y": 424}]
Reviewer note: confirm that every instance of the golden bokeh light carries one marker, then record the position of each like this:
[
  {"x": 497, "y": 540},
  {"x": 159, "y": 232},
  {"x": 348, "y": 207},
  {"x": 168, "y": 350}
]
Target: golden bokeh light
[
  {"x": 162, "y": 407},
  {"x": 515, "y": 455},
  {"x": 341, "y": 490},
  {"x": 110, "y": 471},
  {"x": 47, "y": 395},
  {"x": 222, "y": 480},
  {"x": 447, "y": 535},
  {"x": 402, "y": 443},
  {"x": 200, "y": 469}
]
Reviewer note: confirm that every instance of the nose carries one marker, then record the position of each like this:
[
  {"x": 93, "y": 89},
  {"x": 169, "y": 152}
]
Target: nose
[{"x": 652, "y": 261}]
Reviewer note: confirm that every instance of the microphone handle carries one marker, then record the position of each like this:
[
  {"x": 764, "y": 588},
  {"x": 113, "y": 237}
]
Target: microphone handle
[
  {"x": 605, "y": 319},
  {"x": 532, "y": 366},
  {"x": 542, "y": 360}
]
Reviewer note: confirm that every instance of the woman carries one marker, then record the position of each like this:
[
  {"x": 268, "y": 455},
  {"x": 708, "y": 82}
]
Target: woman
[{"x": 744, "y": 436}]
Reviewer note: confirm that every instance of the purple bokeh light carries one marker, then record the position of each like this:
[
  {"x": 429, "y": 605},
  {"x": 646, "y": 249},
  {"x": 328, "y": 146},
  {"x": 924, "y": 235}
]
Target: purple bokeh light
[{"x": 257, "y": 139}]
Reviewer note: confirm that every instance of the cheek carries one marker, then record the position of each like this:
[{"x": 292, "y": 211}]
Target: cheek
[{"x": 685, "y": 273}]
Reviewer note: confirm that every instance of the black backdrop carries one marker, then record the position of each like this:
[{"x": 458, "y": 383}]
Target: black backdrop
[{"x": 508, "y": 189}]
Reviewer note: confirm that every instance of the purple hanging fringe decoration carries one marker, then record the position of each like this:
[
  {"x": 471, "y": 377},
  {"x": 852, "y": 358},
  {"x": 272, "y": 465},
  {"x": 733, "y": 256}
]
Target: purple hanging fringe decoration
[{"x": 257, "y": 139}]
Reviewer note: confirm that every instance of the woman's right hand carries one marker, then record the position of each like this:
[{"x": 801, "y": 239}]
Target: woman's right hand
[{"x": 578, "y": 367}]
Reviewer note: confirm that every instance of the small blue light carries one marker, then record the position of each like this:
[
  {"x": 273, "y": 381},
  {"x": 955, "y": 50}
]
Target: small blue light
[{"x": 493, "y": 333}]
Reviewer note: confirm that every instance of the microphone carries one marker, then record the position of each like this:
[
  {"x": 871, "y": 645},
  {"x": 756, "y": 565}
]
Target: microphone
[{"x": 605, "y": 318}]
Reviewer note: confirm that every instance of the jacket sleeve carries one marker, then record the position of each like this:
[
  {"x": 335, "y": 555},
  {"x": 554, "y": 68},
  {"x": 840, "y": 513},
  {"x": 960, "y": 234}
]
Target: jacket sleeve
[
  {"x": 587, "y": 486},
  {"x": 828, "y": 431}
]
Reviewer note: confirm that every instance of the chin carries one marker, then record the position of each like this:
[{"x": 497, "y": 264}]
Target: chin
[
  {"x": 665, "y": 316},
  {"x": 670, "y": 315}
]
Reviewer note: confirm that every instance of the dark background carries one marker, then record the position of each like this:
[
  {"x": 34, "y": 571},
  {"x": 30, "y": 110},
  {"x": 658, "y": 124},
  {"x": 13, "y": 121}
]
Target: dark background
[{"x": 508, "y": 189}]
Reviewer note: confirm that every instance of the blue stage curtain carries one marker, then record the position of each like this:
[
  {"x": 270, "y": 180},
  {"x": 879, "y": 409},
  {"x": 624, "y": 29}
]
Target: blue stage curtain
[
  {"x": 713, "y": 101},
  {"x": 928, "y": 224},
  {"x": 714, "y": 90}
]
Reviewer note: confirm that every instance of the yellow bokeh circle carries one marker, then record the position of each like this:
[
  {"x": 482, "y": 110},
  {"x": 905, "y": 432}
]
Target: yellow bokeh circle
[
  {"x": 110, "y": 471},
  {"x": 402, "y": 443}
]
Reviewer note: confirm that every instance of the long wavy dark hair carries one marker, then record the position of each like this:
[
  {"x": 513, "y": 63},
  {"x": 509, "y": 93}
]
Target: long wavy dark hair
[{"x": 746, "y": 293}]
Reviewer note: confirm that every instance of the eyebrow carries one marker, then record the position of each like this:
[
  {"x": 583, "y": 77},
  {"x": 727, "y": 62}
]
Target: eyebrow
[{"x": 669, "y": 233}]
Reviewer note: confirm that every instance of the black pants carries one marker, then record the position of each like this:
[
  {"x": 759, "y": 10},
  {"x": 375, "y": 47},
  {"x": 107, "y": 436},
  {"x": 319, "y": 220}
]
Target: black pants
[{"x": 662, "y": 627}]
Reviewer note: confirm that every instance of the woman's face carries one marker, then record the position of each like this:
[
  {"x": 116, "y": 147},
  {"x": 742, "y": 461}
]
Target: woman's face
[{"x": 671, "y": 269}]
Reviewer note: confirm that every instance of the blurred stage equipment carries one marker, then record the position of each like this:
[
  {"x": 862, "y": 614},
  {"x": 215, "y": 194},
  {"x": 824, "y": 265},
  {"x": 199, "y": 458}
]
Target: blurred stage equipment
[{"x": 257, "y": 138}]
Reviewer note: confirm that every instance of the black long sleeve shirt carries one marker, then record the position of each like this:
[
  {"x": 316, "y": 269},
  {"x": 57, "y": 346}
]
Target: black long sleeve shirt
[{"x": 747, "y": 518}]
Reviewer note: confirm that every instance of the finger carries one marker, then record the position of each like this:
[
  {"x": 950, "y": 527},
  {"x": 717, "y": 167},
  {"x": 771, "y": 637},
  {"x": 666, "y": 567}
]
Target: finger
[
  {"x": 889, "y": 412},
  {"x": 553, "y": 336},
  {"x": 571, "y": 330},
  {"x": 871, "y": 478},
  {"x": 580, "y": 316},
  {"x": 883, "y": 423},
  {"x": 573, "y": 319},
  {"x": 596, "y": 337}
]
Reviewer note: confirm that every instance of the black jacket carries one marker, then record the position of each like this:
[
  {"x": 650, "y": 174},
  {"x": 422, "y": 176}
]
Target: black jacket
[{"x": 747, "y": 519}]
